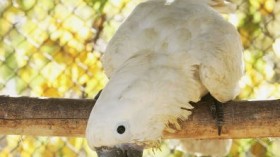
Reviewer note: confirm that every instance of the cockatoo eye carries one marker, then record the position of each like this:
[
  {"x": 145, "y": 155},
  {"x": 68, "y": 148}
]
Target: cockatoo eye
[{"x": 121, "y": 129}]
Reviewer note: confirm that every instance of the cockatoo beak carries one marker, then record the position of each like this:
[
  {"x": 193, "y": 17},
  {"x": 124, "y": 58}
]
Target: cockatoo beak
[{"x": 125, "y": 150}]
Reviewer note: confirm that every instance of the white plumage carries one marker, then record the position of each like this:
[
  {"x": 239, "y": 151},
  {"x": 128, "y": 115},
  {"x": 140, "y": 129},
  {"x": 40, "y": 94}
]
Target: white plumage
[{"x": 163, "y": 56}]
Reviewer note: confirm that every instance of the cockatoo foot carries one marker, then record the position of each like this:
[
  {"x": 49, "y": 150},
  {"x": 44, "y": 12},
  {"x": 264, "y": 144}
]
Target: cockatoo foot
[{"x": 217, "y": 111}]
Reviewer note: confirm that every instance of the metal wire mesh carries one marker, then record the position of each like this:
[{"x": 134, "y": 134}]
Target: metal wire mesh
[{"x": 53, "y": 49}]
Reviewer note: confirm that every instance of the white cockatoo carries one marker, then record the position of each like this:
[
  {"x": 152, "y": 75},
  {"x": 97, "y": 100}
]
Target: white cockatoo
[{"x": 165, "y": 55}]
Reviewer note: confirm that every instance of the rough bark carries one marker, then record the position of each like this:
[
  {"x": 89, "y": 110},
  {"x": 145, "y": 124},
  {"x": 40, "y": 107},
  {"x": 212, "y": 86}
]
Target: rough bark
[{"x": 68, "y": 117}]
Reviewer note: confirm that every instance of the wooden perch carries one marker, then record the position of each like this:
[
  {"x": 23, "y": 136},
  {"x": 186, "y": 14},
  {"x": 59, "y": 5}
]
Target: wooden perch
[{"x": 68, "y": 117}]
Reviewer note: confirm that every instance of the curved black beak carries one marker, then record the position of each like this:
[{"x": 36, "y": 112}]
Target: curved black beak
[{"x": 126, "y": 150}]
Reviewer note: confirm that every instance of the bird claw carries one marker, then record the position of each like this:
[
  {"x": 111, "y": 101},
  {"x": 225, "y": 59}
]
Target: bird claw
[
  {"x": 219, "y": 116},
  {"x": 213, "y": 110},
  {"x": 217, "y": 112}
]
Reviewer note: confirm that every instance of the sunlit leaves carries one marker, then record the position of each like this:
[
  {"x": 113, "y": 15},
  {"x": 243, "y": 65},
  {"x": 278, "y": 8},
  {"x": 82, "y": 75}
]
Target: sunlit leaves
[
  {"x": 5, "y": 26},
  {"x": 47, "y": 49},
  {"x": 52, "y": 43},
  {"x": 264, "y": 6},
  {"x": 258, "y": 37},
  {"x": 276, "y": 47},
  {"x": 13, "y": 14}
]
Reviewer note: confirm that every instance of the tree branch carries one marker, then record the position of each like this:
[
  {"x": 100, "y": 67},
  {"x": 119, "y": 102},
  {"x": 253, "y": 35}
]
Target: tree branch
[{"x": 68, "y": 117}]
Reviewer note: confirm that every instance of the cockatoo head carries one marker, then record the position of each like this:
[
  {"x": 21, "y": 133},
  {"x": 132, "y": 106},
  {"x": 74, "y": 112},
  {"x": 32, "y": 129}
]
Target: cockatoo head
[
  {"x": 121, "y": 120},
  {"x": 140, "y": 101}
]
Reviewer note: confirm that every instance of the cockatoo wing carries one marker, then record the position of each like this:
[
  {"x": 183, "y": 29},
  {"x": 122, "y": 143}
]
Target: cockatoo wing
[
  {"x": 184, "y": 26},
  {"x": 221, "y": 60}
]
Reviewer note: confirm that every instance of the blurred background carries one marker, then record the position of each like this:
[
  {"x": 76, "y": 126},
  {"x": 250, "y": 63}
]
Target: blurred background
[{"x": 52, "y": 48}]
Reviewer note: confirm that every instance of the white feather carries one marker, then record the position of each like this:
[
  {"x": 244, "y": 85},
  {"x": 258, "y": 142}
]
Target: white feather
[{"x": 162, "y": 57}]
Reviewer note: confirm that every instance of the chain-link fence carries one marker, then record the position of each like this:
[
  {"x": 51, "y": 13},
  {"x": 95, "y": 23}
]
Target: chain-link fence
[{"x": 52, "y": 48}]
